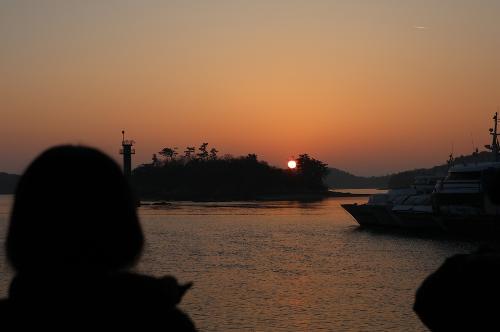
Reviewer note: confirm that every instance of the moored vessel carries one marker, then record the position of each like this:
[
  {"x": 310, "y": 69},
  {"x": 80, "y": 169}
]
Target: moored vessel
[
  {"x": 467, "y": 201},
  {"x": 407, "y": 207}
]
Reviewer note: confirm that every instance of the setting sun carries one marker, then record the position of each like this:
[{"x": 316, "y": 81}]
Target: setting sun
[{"x": 292, "y": 164}]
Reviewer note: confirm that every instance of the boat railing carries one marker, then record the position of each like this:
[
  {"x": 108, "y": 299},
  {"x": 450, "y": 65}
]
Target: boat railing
[{"x": 460, "y": 186}]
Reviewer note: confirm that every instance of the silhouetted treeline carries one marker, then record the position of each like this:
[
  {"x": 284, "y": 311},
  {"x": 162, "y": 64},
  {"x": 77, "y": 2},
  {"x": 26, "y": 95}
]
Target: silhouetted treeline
[
  {"x": 203, "y": 175},
  {"x": 8, "y": 183}
]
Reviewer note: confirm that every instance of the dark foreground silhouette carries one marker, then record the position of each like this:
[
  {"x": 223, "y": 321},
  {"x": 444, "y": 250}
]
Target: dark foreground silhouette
[
  {"x": 73, "y": 235},
  {"x": 463, "y": 294}
]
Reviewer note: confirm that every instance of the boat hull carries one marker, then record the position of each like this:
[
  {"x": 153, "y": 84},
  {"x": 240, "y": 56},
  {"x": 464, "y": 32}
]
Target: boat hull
[
  {"x": 371, "y": 215},
  {"x": 417, "y": 220}
]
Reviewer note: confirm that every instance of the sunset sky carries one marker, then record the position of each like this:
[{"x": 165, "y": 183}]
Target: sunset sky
[{"x": 371, "y": 87}]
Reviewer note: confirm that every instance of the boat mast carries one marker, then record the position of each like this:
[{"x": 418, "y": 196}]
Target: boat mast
[
  {"x": 450, "y": 161},
  {"x": 494, "y": 147}
]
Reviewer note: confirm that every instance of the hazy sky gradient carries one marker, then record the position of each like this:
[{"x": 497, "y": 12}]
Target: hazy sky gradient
[{"x": 368, "y": 86}]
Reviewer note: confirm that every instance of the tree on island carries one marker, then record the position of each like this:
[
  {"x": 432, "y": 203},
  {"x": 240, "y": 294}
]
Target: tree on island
[
  {"x": 313, "y": 171},
  {"x": 203, "y": 154},
  {"x": 213, "y": 154},
  {"x": 168, "y": 153},
  {"x": 171, "y": 155},
  {"x": 189, "y": 152}
]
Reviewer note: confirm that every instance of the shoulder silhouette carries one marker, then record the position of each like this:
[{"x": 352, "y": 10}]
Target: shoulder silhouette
[
  {"x": 463, "y": 294},
  {"x": 72, "y": 238}
]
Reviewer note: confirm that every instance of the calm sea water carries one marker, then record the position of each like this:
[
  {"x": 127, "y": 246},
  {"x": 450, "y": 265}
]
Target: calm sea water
[{"x": 283, "y": 266}]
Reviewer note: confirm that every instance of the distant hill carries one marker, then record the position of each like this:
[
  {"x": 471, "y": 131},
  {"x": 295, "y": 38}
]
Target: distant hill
[
  {"x": 340, "y": 179},
  {"x": 8, "y": 183},
  {"x": 344, "y": 180}
]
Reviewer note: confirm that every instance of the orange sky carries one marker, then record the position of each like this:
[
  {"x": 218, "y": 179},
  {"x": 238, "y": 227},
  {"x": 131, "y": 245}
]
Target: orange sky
[{"x": 367, "y": 86}]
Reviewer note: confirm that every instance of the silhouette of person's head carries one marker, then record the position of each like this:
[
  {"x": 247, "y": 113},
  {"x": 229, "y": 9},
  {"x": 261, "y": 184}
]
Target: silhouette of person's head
[
  {"x": 73, "y": 211},
  {"x": 462, "y": 294}
]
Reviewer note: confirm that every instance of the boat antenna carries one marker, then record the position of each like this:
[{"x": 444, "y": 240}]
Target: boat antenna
[
  {"x": 494, "y": 147},
  {"x": 451, "y": 160}
]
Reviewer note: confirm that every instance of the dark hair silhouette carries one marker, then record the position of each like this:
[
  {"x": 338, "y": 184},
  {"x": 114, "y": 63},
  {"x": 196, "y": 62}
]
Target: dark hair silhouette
[
  {"x": 73, "y": 209},
  {"x": 73, "y": 233}
]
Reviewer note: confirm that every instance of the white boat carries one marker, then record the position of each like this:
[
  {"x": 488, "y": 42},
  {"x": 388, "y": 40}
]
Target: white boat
[
  {"x": 463, "y": 202},
  {"x": 408, "y": 207},
  {"x": 467, "y": 201}
]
